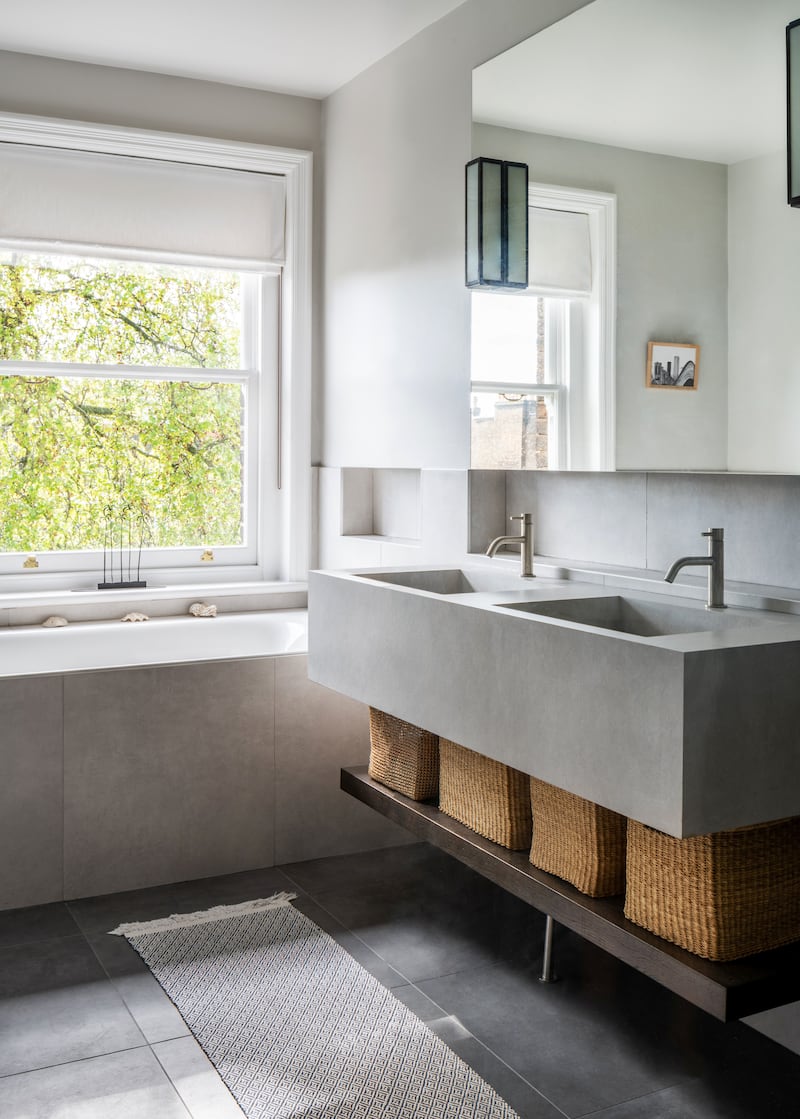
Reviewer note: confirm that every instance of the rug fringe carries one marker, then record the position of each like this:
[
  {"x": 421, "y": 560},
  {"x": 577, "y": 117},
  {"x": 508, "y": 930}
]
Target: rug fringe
[{"x": 202, "y": 917}]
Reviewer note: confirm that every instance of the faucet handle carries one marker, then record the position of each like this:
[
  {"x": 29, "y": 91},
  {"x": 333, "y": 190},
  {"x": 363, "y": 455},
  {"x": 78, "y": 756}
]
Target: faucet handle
[
  {"x": 522, "y": 517},
  {"x": 715, "y": 533}
]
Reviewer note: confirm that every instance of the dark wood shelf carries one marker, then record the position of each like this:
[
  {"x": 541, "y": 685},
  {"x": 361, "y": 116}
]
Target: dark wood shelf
[{"x": 728, "y": 991}]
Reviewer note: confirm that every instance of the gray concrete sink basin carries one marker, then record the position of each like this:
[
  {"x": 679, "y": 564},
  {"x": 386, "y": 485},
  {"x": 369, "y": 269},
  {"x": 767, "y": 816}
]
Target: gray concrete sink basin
[
  {"x": 628, "y": 614},
  {"x": 446, "y": 580}
]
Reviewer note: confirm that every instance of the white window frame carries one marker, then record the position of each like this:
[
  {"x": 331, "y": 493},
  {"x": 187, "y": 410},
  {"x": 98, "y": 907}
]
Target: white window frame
[
  {"x": 280, "y": 423},
  {"x": 590, "y": 334},
  {"x": 580, "y": 341}
]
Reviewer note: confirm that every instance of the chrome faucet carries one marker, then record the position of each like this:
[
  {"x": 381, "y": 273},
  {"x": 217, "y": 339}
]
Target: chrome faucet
[
  {"x": 525, "y": 541},
  {"x": 714, "y": 561}
]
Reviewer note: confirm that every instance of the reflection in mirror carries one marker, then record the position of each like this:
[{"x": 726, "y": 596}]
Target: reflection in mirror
[{"x": 678, "y": 109}]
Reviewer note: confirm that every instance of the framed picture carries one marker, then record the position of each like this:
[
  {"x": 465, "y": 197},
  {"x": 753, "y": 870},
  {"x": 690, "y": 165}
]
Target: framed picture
[{"x": 672, "y": 365}]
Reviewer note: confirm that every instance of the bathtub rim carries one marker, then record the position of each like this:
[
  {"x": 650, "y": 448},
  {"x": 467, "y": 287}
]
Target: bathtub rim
[{"x": 37, "y": 633}]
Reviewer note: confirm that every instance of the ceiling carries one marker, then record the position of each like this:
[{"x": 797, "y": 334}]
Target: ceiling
[
  {"x": 701, "y": 79},
  {"x": 303, "y": 47}
]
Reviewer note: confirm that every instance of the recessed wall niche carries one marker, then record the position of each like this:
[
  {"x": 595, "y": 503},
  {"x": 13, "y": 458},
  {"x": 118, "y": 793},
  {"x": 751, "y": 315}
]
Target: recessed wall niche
[{"x": 384, "y": 503}]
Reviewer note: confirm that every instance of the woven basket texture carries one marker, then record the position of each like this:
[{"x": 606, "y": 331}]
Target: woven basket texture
[
  {"x": 403, "y": 757},
  {"x": 721, "y": 896},
  {"x": 578, "y": 840},
  {"x": 490, "y": 798}
]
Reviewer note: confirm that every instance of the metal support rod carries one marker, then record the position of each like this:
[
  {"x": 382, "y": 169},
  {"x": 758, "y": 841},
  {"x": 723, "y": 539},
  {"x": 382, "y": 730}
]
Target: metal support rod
[{"x": 548, "y": 976}]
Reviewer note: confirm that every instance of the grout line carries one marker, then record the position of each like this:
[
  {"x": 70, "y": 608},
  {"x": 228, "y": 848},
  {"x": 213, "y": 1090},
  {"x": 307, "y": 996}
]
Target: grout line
[
  {"x": 29, "y": 943},
  {"x": 444, "y": 1012},
  {"x": 518, "y": 1075},
  {"x": 212, "y": 1068},
  {"x": 356, "y": 936},
  {"x": 611, "y": 1108},
  {"x": 274, "y": 791},
  {"x": 646, "y": 521},
  {"x": 63, "y": 791},
  {"x": 76, "y": 1061},
  {"x": 110, "y": 980}
]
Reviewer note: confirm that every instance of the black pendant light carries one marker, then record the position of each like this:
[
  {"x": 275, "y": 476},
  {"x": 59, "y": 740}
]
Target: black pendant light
[
  {"x": 497, "y": 224},
  {"x": 793, "y": 110}
]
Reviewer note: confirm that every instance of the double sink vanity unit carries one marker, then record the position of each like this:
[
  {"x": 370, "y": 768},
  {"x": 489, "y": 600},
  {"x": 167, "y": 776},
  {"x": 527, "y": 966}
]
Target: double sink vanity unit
[{"x": 615, "y": 689}]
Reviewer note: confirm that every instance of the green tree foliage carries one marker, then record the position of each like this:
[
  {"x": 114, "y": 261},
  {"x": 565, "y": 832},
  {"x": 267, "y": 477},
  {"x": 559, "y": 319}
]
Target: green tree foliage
[{"x": 79, "y": 452}]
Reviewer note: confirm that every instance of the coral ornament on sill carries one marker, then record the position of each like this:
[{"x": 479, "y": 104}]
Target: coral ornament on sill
[
  {"x": 31, "y": 562},
  {"x": 207, "y": 557},
  {"x": 203, "y": 610}
]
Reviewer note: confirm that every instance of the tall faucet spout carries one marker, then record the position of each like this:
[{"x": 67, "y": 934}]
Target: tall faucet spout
[
  {"x": 686, "y": 561},
  {"x": 525, "y": 542},
  {"x": 714, "y": 561}
]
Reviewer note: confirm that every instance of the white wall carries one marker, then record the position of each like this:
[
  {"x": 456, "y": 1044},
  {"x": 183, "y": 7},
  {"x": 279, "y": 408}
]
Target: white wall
[
  {"x": 397, "y": 138},
  {"x": 763, "y": 298},
  {"x": 51, "y": 87},
  {"x": 671, "y": 285}
]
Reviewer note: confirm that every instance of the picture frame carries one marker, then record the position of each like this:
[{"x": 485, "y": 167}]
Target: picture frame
[{"x": 672, "y": 365}]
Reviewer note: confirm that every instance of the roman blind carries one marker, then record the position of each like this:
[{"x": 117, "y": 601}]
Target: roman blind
[
  {"x": 560, "y": 253},
  {"x": 149, "y": 205}
]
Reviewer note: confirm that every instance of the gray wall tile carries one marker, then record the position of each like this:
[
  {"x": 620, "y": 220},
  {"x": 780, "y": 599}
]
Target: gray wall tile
[
  {"x": 487, "y": 507},
  {"x": 646, "y": 520},
  {"x": 168, "y": 774},
  {"x": 317, "y": 731},
  {"x": 30, "y": 791},
  {"x": 760, "y": 515},
  {"x": 444, "y": 515},
  {"x": 583, "y": 515}
]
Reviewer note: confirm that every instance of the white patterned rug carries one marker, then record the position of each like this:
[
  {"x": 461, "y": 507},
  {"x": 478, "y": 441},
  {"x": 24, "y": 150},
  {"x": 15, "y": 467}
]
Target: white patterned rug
[{"x": 296, "y": 1028}]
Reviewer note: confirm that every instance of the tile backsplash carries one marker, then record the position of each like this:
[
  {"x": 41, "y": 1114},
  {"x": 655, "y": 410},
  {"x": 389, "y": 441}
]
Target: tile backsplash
[
  {"x": 646, "y": 520},
  {"x": 624, "y": 519}
]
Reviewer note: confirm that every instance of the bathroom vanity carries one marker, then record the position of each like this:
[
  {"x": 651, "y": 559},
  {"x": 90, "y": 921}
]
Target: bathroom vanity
[
  {"x": 683, "y": 718},
  {"x": 642, "y": 701}
]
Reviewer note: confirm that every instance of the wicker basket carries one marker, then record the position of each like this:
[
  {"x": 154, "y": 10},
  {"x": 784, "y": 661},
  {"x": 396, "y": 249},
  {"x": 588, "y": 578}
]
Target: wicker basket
[
  {"x": 721, "y": 896},
  {"x": 403, "y": 757},
  {"x": 578, "y": 840},
  {"x": 489, "y": 797}
]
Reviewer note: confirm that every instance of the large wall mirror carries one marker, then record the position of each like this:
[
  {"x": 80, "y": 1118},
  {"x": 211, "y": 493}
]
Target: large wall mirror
[{"x": 678, "y": 109}]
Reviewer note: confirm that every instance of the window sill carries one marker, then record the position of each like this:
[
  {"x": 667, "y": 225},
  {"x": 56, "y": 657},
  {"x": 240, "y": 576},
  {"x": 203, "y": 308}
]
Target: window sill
[{"x": 32, "y": 607}]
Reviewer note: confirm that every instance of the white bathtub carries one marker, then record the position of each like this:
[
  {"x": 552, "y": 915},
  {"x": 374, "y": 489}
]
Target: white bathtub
[{"x": 89, "y": 646}]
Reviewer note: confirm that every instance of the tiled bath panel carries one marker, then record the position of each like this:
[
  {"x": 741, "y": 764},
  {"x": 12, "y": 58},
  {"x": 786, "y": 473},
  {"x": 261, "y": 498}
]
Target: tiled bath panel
[
  {"x": 31, "y": 793},
  {"x": 88, "y": 1033},
  {"x": 127, "y": 778}
]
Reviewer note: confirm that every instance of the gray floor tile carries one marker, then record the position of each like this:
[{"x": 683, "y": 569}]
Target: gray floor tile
[
  {"x": 586, "y": 1042},
  {"x": 418, "y": 1003},
  {"x": 38, "y": 922},
  {"x": 57, "y": 1005},
  {"x": 604, "y": 1041},
  {"x": 432, "y": 918},
  {"x": 781, "y": 1024},
  {"x": 130, "y": 1085},
  {"x": 364, "y": 869},
  {"x": 368, "y": 959},
  {"x": 196, "y": 1080},
  {"x": 735, "y": 1097},
  {"x": 148, "y": 1004},
  {"x": 105, "y": 912},
  {"x": 526, "y": 1101},
  {"x": 449, "y": 1029}
]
